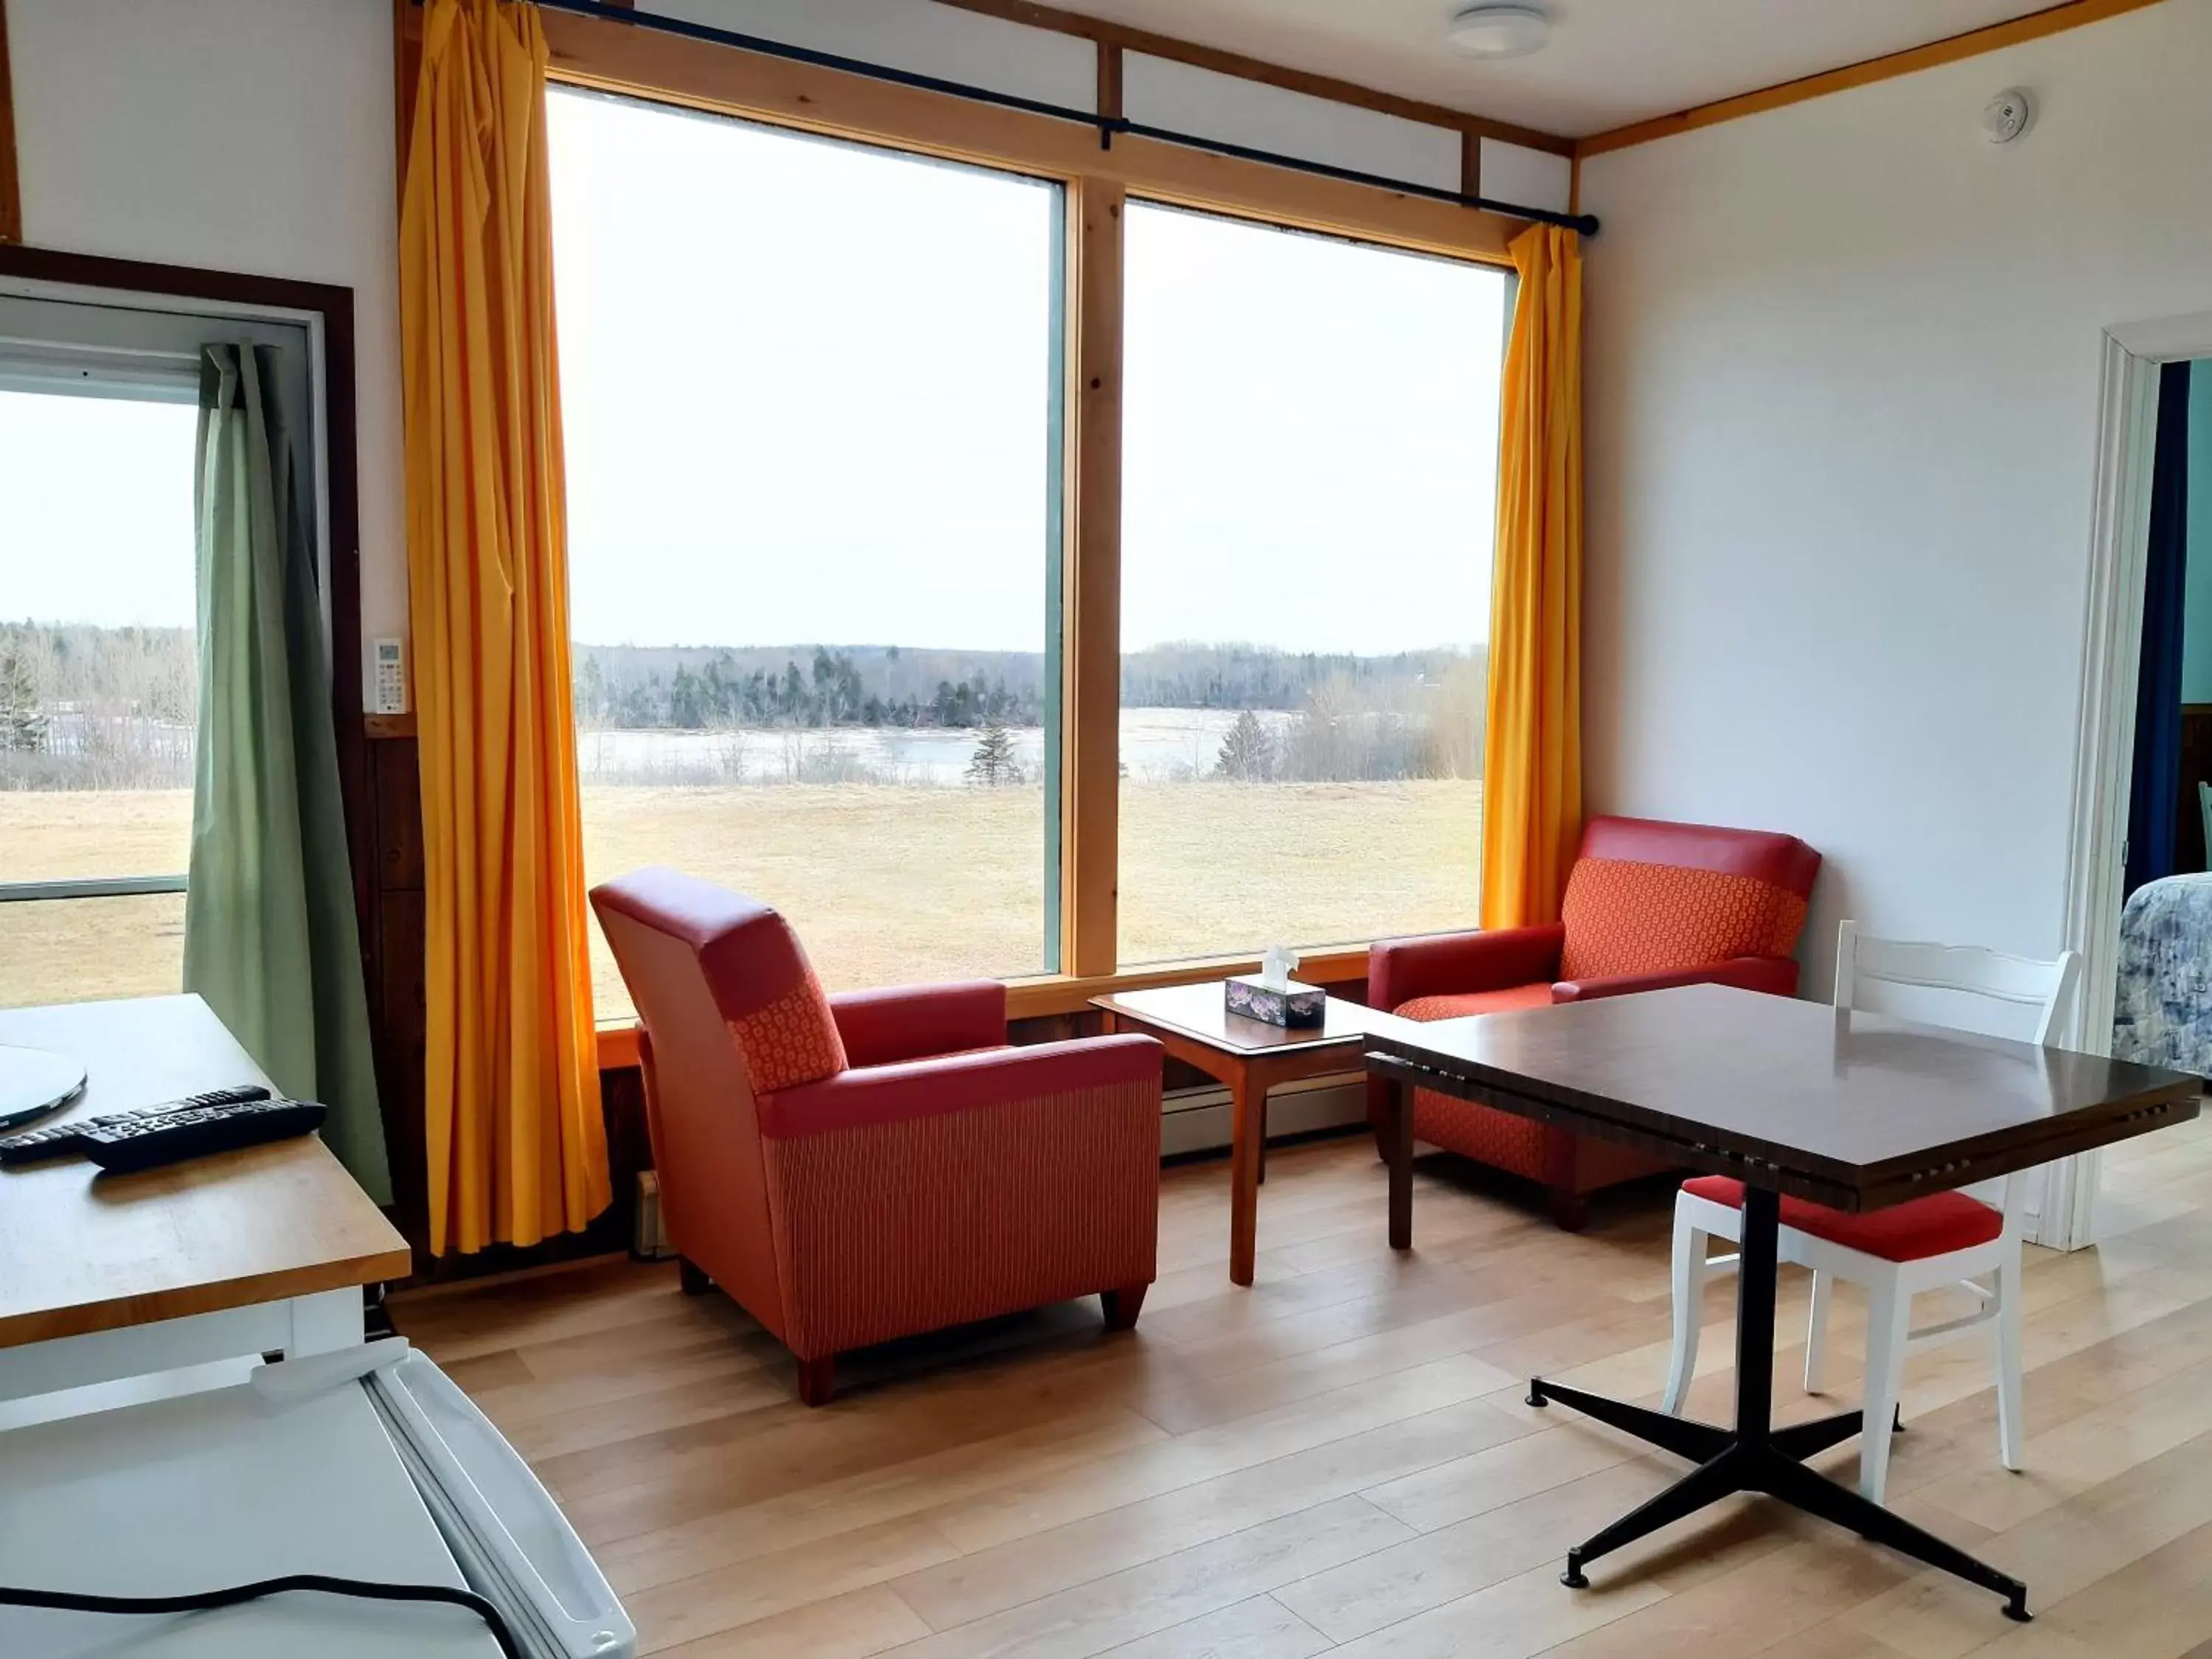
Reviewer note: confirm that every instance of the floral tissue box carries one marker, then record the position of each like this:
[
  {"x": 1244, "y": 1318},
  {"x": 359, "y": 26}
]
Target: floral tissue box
[{"x": 1291, "y": 1006}]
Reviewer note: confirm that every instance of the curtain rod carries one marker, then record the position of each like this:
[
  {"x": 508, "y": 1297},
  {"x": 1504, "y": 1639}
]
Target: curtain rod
[{"x": 1106, "y": 125}]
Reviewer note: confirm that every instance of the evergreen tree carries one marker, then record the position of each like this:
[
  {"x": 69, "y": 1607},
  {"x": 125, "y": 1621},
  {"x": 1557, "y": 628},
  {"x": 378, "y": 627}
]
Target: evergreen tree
[
  {"x": 1248, "y": 753},
  {"x": 993, "y": 762},
  {"x": 22, "y": 727}
]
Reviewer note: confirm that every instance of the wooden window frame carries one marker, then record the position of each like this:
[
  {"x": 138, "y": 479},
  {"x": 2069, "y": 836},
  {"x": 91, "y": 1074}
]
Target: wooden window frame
[{"x": 1099, "y": 180}]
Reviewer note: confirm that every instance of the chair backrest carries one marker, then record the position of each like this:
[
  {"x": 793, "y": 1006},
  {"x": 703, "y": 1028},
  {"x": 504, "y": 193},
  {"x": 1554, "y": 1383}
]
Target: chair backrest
[
  {"x": 1965, "y": 987},
  {"x": 732, "y": 1010},
  {"x": 1647, "y": 897}
]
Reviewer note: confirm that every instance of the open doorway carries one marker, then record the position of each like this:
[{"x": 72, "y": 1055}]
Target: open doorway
[
  {"x": 2136, "y": 685},
  {"x": 2162, "y": 995}
]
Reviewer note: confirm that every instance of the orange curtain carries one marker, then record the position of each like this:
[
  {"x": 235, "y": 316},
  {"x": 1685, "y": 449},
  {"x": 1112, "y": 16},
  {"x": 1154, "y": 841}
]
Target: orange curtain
[
  {"x": 1532, "y": 785},
  {"x": 516, "y": 1144}
]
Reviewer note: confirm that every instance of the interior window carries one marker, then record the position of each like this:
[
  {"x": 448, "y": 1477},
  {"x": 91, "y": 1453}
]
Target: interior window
[
  {"x": 812, "y": 398},
  {"x": 1310, "y": 478}
]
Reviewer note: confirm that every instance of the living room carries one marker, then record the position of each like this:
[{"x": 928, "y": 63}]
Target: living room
[{"x": 1043, "y": 805}]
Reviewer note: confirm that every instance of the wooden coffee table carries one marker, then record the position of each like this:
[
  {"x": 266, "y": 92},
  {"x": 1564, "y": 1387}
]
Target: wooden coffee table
[{"x": 1192, "y": 1023}]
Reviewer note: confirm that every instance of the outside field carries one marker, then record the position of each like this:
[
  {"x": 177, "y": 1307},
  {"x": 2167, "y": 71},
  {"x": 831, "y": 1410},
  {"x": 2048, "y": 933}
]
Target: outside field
[{"x": 887, "y": 884}]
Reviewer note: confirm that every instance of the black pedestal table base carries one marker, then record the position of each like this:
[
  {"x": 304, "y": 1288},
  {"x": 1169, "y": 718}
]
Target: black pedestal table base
[{"x": 1755, "y": 1455}]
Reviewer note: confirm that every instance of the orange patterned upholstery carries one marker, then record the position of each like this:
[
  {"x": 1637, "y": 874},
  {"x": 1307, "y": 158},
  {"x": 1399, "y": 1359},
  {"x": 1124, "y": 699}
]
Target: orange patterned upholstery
[
  {"x": 1627, "y": 917},
  {"x": 791, "y": 1040}
]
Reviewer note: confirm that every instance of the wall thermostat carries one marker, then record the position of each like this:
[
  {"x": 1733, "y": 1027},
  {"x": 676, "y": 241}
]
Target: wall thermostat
[
  {"x": 2008, "y": 115},
  {"x": 388, "y": 677}
]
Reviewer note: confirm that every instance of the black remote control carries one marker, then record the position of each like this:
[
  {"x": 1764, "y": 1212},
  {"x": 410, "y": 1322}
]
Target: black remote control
[
  {"x": 68, "y": 1139},
  {"x": 148, "y": 1142}
]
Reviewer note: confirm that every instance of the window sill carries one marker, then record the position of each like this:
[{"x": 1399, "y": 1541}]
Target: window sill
[{"x": 1045, "y": 995}]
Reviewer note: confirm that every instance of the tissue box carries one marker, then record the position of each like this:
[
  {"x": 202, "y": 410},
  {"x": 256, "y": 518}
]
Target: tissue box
[{"x": 1296, "y": 1007}]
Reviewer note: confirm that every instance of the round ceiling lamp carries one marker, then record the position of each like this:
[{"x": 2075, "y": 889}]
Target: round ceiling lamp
[{"x": 1490, "y": 29}]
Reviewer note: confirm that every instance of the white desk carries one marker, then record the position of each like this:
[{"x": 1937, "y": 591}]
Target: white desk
[{"x": 252, "y": 1252}]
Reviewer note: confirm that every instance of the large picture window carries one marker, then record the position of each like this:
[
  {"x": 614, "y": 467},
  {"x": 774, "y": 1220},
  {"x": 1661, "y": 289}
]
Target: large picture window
[
  {"x": 812, "y": 394},
  {"x": 1309, "y": 471}
]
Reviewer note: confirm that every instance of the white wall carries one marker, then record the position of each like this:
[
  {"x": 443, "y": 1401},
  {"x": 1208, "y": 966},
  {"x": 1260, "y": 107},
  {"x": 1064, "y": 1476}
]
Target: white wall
[
  {"x": 244, "y": 135},
  {"x": 1842, "y": 378}
]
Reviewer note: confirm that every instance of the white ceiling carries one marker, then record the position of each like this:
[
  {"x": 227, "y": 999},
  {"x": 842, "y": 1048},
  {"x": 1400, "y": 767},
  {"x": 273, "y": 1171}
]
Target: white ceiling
[{"x": 1609, "y": 63}]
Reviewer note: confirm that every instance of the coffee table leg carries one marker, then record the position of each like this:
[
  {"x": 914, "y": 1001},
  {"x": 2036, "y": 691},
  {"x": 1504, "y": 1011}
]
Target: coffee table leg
[
  {"x": 1398, "y": 1131},
  {"x": 1247, "y": 1098}
]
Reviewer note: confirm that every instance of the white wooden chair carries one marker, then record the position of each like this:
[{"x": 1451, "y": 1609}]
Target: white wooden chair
[{"x": 1946, "y": 1239}]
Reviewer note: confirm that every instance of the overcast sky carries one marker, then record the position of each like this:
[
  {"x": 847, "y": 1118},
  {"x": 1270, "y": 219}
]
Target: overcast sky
[{"x": 806, "y": 389}]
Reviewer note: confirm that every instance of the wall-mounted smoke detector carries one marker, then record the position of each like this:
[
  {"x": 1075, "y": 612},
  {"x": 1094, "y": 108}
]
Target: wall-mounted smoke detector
[
  {"x": 2008, "y": 115},
  {"x": 1496, "y": 28}
]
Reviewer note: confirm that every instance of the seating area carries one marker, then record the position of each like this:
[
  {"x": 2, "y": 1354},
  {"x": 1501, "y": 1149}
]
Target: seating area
[{"x": 1108, "y": 829}]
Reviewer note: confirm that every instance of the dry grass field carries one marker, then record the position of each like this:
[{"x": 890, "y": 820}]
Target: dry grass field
[{"x": 887, "y": 884}]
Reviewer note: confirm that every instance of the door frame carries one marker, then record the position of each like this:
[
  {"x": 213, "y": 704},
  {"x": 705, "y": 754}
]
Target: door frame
[{"x": 2103, "y": 752}]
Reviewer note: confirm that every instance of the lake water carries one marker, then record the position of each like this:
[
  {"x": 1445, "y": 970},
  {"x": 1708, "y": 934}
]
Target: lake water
[{"x": 1157, "y": 745}]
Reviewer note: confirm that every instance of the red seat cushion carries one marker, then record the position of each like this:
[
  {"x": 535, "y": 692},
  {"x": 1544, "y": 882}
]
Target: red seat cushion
[
  {"x": 1934, "y": 1225},
  {"x": 1477, "y": 1002}
]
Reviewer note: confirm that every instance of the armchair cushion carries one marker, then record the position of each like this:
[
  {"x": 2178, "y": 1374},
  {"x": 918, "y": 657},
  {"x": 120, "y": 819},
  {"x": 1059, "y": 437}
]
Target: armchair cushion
[
  {"x": 950, "y": 1083},
  {"x": 1626, "y": 917},
  {"x": 912, "y": 1021},
  {"x": 1478, "y": 1002},
  {"x": 1776, "y": 976}
]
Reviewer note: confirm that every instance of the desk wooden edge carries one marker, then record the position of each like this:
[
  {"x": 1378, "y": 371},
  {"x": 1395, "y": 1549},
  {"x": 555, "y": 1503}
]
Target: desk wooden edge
[
  {"x": 1877, "y": 1187},
  {"x": 82, "y": 1319}
]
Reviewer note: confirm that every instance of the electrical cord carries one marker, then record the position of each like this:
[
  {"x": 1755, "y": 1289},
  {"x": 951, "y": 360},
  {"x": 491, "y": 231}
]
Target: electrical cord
[{"x": 205, "y": 1601}]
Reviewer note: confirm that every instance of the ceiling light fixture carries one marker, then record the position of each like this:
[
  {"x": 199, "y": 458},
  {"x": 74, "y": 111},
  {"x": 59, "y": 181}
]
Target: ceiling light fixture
[{"x": 1490, "y": 29}]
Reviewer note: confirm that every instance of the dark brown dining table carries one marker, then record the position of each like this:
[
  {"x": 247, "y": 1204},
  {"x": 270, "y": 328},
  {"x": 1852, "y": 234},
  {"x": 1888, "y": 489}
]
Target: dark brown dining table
[{"x": 1854, "y": 1110}]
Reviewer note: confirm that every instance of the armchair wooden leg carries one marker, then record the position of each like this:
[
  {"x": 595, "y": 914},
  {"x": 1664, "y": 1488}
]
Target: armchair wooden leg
[
  {"x": 692, "y": 1277},
  {"x": 818, "y": 1380},
  {"x": 1121, "y": 1305},
  {"x": 1569, "y": 1210}
]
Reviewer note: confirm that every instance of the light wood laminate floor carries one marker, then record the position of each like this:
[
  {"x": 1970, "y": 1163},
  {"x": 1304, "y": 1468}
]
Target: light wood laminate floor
[{"x": 1337, "y": 1460}]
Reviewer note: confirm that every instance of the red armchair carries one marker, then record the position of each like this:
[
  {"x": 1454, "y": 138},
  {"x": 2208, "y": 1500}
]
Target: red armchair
[
  {"x": 857, "y": 1168},
  {"x": 1648, "y": 905}
]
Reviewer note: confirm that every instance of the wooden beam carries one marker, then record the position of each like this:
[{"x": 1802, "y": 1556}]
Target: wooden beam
[
  {"x": 1470, "y": 164},
  {"x": 614, "y": 57},
  {"x": 1110, "y": 82},
  {"x": 1090, "y": 701},
  {"x": 11, "y": 197},
  {"x": 1243, "y": 68},
  {"x": 2053, "y": 19}
]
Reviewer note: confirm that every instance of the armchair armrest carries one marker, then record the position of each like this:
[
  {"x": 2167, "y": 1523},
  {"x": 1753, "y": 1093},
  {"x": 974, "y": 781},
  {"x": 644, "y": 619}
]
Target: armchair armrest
[
  {"x": 951, "y": 1083},
  {"x": 912, "y": 1021},
  {"x": 1776, "y": 976},
  {"x": 1445, "y": 964}
]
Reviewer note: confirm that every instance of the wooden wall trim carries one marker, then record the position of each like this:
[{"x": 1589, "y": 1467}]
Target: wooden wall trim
[
  {"x": 12, "y": 196},
  {"x": 2053, "y": 19},
  {"x": 1221, "y": 61},
  {"x": 617, "y": 58}
]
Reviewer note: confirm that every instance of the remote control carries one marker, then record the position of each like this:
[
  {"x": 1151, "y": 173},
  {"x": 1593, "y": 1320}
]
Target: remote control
[
  {"x": 67, "y": 1139},
  {"x": 148, "y": 1142}
]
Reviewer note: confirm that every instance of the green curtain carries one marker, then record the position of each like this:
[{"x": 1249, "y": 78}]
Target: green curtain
[{"x": 271, "y": 938}]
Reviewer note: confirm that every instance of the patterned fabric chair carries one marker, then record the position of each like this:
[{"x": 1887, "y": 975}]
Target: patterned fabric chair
[
  {"x": 856, "y": 1168},
  {"x": 2164, "y": 1016},
  {"x": 1648, "y": 905}
]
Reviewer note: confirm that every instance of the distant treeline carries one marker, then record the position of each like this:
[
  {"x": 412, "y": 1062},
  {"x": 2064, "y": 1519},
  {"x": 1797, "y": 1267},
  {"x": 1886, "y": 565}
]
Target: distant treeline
[
  {"x": 700, "y": 688},
  {"x": 86, "y": 707}
]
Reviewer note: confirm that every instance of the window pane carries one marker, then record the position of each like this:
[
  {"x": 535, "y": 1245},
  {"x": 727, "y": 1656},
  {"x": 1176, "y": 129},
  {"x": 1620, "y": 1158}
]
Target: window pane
[
  {"x": 1310, "y": 473},
  {"x": 76, "y": 950},
  {"x": 98, "y": 688},
  {"x": 812, "y": 396}
]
